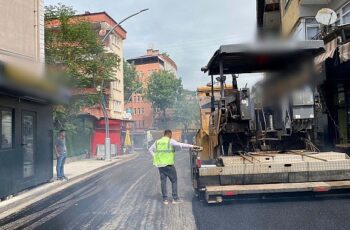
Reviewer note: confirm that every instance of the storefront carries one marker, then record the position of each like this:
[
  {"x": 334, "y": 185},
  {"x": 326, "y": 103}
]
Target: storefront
[
  {"x": 26, "y": 152},
  {"x": 334, "y": 90}
]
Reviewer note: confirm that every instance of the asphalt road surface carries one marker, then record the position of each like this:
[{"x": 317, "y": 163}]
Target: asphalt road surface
[{"x": 127, "y": 196}]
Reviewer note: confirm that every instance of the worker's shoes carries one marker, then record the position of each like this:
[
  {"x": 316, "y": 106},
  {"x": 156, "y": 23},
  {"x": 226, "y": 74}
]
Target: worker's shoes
[
  {"x": 165, "y": 201},
  {"x": 177, "y": 201}
]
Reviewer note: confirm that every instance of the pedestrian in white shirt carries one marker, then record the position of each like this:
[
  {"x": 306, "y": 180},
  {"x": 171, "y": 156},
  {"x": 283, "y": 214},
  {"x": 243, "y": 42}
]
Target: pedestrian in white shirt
[{"x": 163, "y": 152}]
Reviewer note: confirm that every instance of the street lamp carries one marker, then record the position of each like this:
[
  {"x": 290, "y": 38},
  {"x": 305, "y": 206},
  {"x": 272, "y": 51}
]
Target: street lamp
[
  {"x": 136, "y": 90},
  {"x": 103, "y": 105},
  {"x": 118, "y": 24}
]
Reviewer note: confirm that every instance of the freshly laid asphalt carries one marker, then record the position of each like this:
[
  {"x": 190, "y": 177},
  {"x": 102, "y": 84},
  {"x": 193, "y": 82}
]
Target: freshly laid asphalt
[{"x": 127, "y": 196}]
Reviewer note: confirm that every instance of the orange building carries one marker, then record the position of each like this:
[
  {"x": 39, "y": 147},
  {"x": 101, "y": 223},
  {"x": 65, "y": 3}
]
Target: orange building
[
  {"x": 102, "y": 23},
  {"x": 145, "y": 65},
  {"x": 142, "y": 111}
]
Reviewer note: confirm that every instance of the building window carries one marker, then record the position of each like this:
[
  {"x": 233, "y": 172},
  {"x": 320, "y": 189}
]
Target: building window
[
  {"x": 311, "y": 28},
  {"x": 117, "y": 84},
  {"x": 139, "y": 111},
  {"x": 6, "y": 128},
  {"x": 135, "y": 111},
  {"x": 116, "y": 40},
  {"x": 142, "y": 110},
  {"x": 346, "y": 14},
  {"x": 118, "y": 106},
  {"x": 337, "y": 22}
]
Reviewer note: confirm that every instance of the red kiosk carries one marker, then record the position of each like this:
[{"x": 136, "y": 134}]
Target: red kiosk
[{"x": 99, "y": 133}]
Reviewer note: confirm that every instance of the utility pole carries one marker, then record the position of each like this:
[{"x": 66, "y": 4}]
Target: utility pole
[{"x": 103, "y": 100}]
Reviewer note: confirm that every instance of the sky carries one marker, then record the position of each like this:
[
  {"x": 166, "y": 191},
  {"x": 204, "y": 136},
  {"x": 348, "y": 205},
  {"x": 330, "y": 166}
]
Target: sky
[{"x": 188, "y": 30}]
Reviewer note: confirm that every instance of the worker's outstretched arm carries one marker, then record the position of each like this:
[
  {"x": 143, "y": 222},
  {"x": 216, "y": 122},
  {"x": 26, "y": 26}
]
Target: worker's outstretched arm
[
  {"x": 176, "y": 144},
  {"x": 152, "y": 149}
]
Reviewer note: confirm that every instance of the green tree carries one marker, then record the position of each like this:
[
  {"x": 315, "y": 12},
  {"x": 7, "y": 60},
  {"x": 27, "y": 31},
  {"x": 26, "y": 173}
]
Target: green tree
[
  {"x": 75, "y": 56},
  {"x": 186, "y": 111},
  {"x": 163, "y": 90},
  {"x": 131, "y": 82}
]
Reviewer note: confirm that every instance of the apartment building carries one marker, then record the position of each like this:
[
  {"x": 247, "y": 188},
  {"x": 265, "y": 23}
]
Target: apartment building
[
  {"x": 296, "y": 19},
  {"x": 142, "y": 112},
  {"x": 145, "y": 65},
  {"x": 102, "y": 22}
]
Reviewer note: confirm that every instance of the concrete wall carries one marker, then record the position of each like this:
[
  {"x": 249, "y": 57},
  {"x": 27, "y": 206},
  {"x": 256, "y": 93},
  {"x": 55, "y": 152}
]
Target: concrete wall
[{"x": 22, "y": 32}]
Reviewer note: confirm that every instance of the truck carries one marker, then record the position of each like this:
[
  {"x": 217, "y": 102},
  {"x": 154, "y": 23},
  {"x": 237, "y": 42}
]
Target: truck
[{"x": 261, "y": 142}]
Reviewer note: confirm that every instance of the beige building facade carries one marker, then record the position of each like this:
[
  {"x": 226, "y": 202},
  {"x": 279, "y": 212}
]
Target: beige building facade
[
  {"x": 114, "y": 43},
  {"x": 22, "y": 36}
]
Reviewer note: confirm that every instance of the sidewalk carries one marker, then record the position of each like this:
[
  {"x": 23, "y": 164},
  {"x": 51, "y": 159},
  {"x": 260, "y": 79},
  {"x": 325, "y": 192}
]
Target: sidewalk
[{"x": 76, "y": 171}]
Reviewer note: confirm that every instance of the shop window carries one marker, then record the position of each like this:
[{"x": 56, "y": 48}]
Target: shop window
[{"x": 6, "y": 128}]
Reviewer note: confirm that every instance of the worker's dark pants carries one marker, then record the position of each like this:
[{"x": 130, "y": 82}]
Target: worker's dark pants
[{"x": 170, "y": 172}]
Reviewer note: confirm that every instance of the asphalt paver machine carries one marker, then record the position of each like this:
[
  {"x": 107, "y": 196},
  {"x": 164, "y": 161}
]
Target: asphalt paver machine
[{"x": 260, "y": 142}]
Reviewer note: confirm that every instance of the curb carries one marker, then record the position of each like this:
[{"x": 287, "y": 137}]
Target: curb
[{"x": 51, "y": 190}]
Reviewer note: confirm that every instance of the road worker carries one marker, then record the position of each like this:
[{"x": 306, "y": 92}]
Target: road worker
[{"x": 163, "y": 152}]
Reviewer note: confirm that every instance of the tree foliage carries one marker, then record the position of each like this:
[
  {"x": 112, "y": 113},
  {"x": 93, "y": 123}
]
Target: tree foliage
[
  {"x": 131, "y": 83},
  {"x": 163, "y": 89},
  {"x": 186, "y": 111},
  {"x": 76, "y": 56}
]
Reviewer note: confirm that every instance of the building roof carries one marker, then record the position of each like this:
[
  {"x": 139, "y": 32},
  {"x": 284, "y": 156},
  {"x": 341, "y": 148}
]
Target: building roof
[
  {"x": 93, "y": 17},
  {"x": 146, "y": 59},
  {"x": 160, "y": 57},
  {"x": 120, "y": 30}
]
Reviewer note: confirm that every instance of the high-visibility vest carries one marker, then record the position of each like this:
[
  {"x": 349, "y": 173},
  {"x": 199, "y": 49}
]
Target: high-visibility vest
[{"x": 165, "y": 153}]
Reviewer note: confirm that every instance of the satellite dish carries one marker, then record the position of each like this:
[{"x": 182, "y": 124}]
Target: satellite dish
[
  {"x": 102, "y": 32},
  {"x": 326, "y": 16}
]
